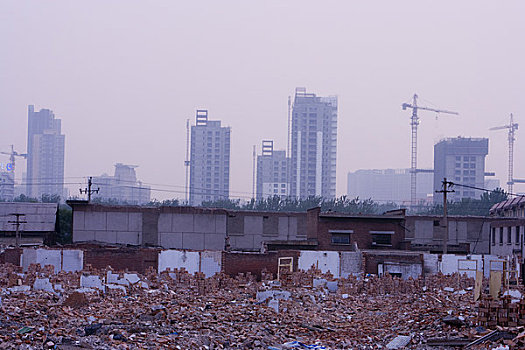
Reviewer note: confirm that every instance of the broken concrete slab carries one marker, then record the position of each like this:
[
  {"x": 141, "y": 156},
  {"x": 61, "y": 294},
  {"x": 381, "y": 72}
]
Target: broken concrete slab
[
  {"x": 91, "y": 282},
  {"x": 274, "y": 304},
  {"x": 131, "y": 277},
  {"x": 43, "y": 284},
  {"x": 17, "y": 289},
  {"x": 116, "y": 287},
  {"x": 332, "y": 286},
  {"x": 319, "y": 282},
  {"x": 274, "y": 294},
  {"x": 399, "y": 342}
]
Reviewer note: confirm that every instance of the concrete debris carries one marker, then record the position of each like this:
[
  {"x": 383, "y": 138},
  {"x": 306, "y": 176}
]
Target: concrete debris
[
  {"x": 178, "y": 310},
  {"x": 91, "y": 282},
  {"x": 319, "y": 282},
  {"x": 43, "y": 284},
  {"x": 17, "y": 289},
  {"x": 399, "y": 342},
  {"x": 274, "y": 304},
  {"x": 332, "y": 286},
  {"x": 448, "y": 289}
]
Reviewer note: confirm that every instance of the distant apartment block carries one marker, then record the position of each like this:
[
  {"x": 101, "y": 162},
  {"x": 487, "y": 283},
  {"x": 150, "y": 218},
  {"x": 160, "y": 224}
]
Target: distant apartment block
[
  {"x": 272, "y": 172},
  {"x": 389, "y": 185},
  {"x": 209, "y": 160},
  {"x": 7, "y": 186},
  {"x": 462, "y": 161},
  {"x": 314, "y": 145},
  {"x": 122, "y": 187},
  {"x": 45, "y": 154}
]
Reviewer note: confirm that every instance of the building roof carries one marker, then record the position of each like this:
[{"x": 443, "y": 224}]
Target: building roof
[
  {"x": 360, "y": 216},
  {"x": 508, "y": 204},
  {"x": 40, "y": 217}
]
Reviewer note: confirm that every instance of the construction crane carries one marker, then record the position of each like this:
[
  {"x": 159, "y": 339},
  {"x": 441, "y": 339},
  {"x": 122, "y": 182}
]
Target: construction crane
[
  {"x": 414, "y": 122},
  {"x": 12, "y": 156},
  {"x": 512, "y": 129}
]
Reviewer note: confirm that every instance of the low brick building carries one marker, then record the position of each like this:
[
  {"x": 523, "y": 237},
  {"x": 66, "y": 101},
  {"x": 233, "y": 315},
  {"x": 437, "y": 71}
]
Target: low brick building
[{"x": 341, "y": 232}]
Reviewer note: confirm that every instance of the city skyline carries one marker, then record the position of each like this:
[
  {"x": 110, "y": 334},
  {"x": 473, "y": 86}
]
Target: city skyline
[{"x": 124, "y": 94}]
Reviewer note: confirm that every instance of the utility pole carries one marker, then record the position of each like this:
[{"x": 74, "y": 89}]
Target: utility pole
[
  {"x": 88, "y": 190},
  {"x": 17, "y": 224},
  {"x": 187, "y": 161},
  {"x": 446, "y": 189},
  {"x": 253, "y": 172}
]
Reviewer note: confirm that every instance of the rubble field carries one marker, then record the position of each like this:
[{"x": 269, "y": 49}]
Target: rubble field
[{"x": 175, "y": 310}]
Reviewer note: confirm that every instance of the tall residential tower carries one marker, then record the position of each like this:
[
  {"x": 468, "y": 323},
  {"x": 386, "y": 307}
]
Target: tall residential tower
[
  {"x": 314, "y": 145},
  {"x": 462, "y": 161},
  {"x": 45, "y": 154},
  {"x": 209, "y": 160},
  {"x": 272, "y": 172}
]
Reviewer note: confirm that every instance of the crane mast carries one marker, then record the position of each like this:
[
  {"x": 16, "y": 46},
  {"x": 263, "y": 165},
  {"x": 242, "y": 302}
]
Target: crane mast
[
  {"x": 511, "y": 137},
  {"x": 414, "y": 122}
]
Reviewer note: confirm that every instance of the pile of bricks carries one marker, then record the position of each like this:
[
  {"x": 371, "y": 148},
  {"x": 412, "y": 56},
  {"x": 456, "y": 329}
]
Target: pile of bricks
[
  {"x": 502, "y": 312},
  {"x": 184, "y": 311}
]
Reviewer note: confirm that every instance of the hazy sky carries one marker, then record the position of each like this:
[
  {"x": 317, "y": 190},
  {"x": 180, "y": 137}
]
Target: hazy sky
[{"x": 125, "y": 75}]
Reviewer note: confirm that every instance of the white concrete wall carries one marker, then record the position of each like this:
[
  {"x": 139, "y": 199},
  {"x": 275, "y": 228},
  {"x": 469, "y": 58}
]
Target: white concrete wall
[
  {"x": 325, "y": 261},
  {"x": 176, "y": 259},
  {"x": 65, "y": 259},
  {"x": 453, "y": 263},
  {"x": 108, "y": 227},
  {"x": 406, "y": 270},
  {"x": 207, "y": 262},
  {"x": 72, "y": 260},
  {"x": 211, "y": 262},
  {"x": 431, "y": 263},
  {"x": 351, "y": 263}
]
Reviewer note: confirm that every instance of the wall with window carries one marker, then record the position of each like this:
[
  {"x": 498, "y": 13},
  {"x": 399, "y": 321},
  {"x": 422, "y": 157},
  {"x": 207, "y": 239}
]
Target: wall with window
[
  {"x": 506, "y": 237},
  {"x": 336, "y": 231}
]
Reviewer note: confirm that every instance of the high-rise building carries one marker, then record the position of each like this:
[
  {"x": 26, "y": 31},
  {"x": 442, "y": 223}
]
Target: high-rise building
[
  {"x": 462, "y": 161},
  {"x": 7, "y": 186},
  {"x": 123, "y": 187},
  {"x": 314, "y": 145},
  {"x": 209, "y": 160},
  {"x": 272, "y": 172},
  {"x": 389, "y": 185},
  {"x": 45, "y": 154}
]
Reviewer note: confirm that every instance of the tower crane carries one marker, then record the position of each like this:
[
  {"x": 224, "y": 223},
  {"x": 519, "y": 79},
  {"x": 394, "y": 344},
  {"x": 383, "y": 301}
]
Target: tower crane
[
  {"x": 512, "y": 129},
  {"x": 414, "y": 122},
  {"x": 14, "y": 154}
]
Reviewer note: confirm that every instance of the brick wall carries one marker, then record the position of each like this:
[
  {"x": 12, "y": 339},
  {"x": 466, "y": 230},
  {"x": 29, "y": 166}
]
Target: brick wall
[
  {"x": 234, "y": 263},
  {"x": 133, "y": 260},
  {"x": 361, "y": 227},
  {"x": 371, "y": 260},
  {"x": 11, "y": 256}
]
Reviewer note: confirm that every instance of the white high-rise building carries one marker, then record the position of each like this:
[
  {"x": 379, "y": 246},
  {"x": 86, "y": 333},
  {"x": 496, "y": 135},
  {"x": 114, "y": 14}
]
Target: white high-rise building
[
  {"x": 45, "y": 154},
  {"x": 209, "y": 160},
  {"x": 314, "y": 145},
  {"x": 272, "y": 172},
  {"x": 389, "y": 185},
  {"x": 123, "y": 187},
  {"x": 7, "y": 186},
  {"x": 462, "y": 161}
]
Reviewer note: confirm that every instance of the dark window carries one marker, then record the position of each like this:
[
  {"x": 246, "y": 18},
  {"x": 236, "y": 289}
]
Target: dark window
[
  {"x": 493, "y": 236},
  {"x": 340, "y": 238},
  {"x": 509, "y": 236},
  {"x": 380, "y": 239},
  {"x": 436, "y": 222}
]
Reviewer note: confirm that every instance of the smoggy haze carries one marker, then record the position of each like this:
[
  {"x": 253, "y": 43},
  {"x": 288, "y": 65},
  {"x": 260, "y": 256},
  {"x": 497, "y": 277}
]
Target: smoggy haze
[{"x": 125, "y": 75}]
